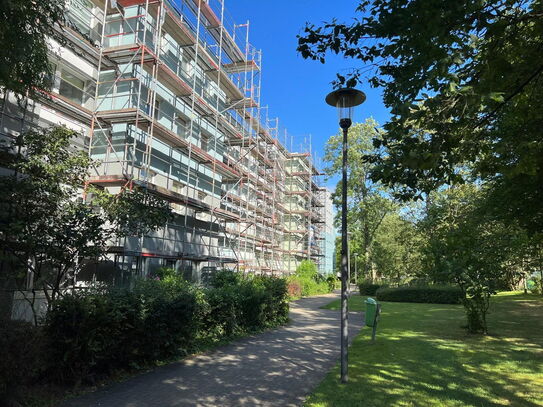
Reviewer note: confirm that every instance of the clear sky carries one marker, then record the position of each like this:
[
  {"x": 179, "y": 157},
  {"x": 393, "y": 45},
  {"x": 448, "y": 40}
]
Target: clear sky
[{"x": 295, "y": 88}]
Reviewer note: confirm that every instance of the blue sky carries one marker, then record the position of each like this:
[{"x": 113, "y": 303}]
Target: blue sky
[{"x": 295, "y": 88}]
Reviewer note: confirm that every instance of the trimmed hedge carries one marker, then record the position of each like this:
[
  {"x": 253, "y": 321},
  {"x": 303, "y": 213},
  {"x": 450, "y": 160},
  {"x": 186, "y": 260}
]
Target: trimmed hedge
[
  {"x": 367, "y": 288},
  {"x": 431, "y": 294},
  {"x": 90, "y": 335}
]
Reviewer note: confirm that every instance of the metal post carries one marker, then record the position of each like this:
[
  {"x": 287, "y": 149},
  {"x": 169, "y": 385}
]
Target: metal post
[
  {"x": 344, "y": 100},
  {"x": 349, "y": 264},
  {"x": 345, "y": 124},
  {"x": 355, "y": 271}
]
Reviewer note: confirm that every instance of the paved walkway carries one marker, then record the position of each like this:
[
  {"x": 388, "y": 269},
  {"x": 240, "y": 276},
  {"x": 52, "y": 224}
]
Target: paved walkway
[{"x": 275, "y": 368}]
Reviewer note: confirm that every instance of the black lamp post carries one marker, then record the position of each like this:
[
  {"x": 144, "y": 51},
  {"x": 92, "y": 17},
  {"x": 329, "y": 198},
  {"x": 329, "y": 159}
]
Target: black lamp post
[{"x": 344, "y": 100}]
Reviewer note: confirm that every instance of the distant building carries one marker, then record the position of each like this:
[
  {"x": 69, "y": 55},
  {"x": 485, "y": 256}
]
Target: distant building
[{"x": 329, "y": 234}]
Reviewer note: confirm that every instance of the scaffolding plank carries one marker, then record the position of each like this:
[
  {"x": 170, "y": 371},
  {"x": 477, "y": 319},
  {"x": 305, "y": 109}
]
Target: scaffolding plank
[{"x": 241, "y": 66}]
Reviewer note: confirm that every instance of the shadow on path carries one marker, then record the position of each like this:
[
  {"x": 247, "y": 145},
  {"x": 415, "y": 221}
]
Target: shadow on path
[{"x": 275, "y": 368}]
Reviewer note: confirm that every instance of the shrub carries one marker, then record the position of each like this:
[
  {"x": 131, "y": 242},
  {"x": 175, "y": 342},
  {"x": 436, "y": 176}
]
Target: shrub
[
  {"x": 82, "y": 336},
  {"x": 224, "y": 278},
  {"x": 369, "y": 288},
  {"x": 331, "y": 280},
  {"x": 221, "y": 318},
  {"x": 294, "y": 288},
  {"x": 89, "y": 335},
  {"x": 534, "y": 285},
  {"x": 21, "y": 350},
  {"x": 430, "y": 294},
  {"x": 309, "y": 280},
  {"x": 277, "y": 305},
  {"x": 237, "y": 305}
]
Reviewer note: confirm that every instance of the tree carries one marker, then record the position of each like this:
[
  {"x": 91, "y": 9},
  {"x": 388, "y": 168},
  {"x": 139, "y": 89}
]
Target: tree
[
  {"x": 463, "y": 82},
  {"x": 367, "y": 201},
  {"x": 46, "y": 229},
  {"x": 467, "y": 246},
  {"x": 26, "y": 25},
  {"x": 396, "y": 249}
]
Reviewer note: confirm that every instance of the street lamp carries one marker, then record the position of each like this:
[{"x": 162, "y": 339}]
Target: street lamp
[{"x": 344, "y": 100}]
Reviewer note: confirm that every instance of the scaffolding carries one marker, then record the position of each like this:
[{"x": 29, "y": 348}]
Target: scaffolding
[
  {"x": 175, "y": 110},
  {"x": 304, "y": 210}
]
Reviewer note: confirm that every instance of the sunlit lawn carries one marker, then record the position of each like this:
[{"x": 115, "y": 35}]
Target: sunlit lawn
[{"x": 423, "y": 357}]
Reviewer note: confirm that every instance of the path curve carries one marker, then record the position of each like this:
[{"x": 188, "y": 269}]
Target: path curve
[{"x": 276, "y": 368}]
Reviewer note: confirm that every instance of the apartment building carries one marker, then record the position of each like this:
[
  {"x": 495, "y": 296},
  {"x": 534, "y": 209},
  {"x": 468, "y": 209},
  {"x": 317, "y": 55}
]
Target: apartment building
[
  {"x": 166, "y": 97},
  {"x": 328, "y": 265}
]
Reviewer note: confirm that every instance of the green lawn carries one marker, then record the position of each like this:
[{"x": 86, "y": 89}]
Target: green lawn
[{"x": 423, "y": 357}]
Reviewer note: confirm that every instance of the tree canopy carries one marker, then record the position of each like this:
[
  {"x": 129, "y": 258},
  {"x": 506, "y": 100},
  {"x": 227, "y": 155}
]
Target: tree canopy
[
  {"x": 47, "y": 230},
  {"x": 26, "y": 25},
  {"x": 463, "y": 82}
]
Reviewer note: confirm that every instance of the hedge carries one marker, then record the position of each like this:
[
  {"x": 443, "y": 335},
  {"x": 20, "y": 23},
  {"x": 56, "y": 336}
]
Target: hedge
[
  {"x": 431, "y": 294},
  {"x": 368, "y": 288},
  {"x": 90, "y": 335}
]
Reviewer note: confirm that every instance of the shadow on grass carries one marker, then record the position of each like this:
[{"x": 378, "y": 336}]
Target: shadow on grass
[{"x": 423, "y": 357}]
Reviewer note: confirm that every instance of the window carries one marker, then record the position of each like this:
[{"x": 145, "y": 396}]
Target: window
[
  {"x": 204, "y": 142},
  {"x": 80, "y": 14},
  {"x": 51, "y": 78},
  {"x": 71, "y": 87},
  {"x": 157, "y": 109}
]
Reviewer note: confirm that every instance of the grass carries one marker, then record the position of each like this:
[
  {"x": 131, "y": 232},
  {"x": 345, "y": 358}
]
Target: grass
[{"x": 423, "y": 357}]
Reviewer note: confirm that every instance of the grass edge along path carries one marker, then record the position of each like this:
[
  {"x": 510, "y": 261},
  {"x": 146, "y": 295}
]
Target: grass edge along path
[{"x": 423, "y": 357}]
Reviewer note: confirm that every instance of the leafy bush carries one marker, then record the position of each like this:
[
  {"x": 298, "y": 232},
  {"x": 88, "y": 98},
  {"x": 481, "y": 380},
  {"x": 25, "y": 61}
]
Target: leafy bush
[
  {"x": 309, "y": 280},
  {"x": 223, "y": 278},
  {"x": 21, "y": 351},
  {"x": 222, "y": 314},
  {"x": 277, "y": 307},
  {"x": 237, "y": 305},
  {"x": 331, "y": 280},
  {"x": 294, "y": 288},
  {"x": 534, "y": 285},
  {"x": 430, "y": 294},
  {"x": 369, "y": 288},
  {"x": 89, "y": 335}
]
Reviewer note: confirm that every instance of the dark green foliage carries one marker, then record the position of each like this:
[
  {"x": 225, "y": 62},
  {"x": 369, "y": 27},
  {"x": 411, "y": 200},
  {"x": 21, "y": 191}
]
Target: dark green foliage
[
  {"x": 237, "y": 305},
  {"x": 331, "y": 280},
  {"x": 368, "y": 288},
  {"x": 91, "y": 335},
  {"x": 223, "y": 312},
  {"x": 80, "y": 337},
  {"x": 461, "y": 80},
  {"x": 24, "y": 64},
  {"x": 431, "y": 294},
  {"x": 20, "y": 358},
  {"x": 223, "y": 278}
]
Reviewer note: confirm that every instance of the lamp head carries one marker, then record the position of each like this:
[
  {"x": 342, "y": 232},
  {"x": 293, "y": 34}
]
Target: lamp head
[{"x": 345, "y": 99}]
